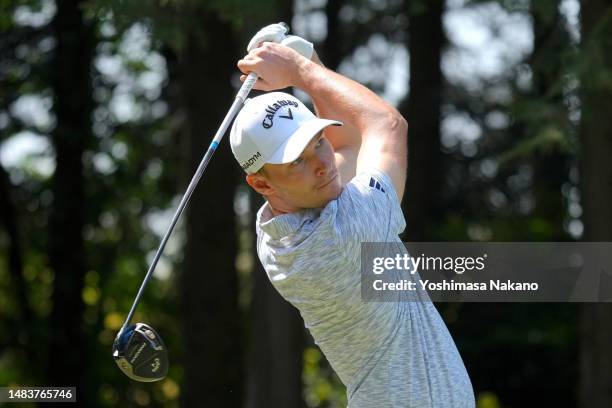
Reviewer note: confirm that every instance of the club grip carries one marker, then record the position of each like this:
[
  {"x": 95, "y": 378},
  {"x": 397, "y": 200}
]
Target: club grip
[{"x": 246, "y": 87}]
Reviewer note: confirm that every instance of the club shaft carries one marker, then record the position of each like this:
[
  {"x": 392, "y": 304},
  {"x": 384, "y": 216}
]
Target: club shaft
[{"x": 233, "y": 111}]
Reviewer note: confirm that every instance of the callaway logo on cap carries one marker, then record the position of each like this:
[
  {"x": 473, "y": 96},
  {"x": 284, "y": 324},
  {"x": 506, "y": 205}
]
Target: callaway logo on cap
[
  {"x": 273, "y": 128},
  {"x": 268, "y": 121}
]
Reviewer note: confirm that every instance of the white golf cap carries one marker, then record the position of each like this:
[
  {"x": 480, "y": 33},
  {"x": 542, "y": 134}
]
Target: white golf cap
[{"x": 273, "y": 128}]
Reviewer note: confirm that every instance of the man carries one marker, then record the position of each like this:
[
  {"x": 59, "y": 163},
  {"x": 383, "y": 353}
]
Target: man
[{"x": 328, "y": 188}]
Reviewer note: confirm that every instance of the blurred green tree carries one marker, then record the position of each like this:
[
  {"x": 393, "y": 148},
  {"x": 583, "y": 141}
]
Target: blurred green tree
[{"x": 70, "y": 83}]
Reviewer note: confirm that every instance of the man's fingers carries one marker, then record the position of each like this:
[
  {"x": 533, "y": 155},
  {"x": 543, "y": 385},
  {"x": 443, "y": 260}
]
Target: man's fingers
[{"x": 247, "y": 64}]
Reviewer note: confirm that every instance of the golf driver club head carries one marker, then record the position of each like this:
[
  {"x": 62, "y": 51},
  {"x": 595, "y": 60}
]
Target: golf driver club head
[{"x": 140, "y": 353}]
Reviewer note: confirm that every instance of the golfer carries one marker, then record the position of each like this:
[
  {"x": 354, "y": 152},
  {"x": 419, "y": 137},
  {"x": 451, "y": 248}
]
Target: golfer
[{"x": 329, "y": 185}]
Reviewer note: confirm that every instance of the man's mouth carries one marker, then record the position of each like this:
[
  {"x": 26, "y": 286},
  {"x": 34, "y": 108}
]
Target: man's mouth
[{"x": 328, "y": 181}]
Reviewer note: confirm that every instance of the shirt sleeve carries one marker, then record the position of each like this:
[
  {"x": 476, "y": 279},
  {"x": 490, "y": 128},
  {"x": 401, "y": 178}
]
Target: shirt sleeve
[{"x": 368, "y": 208}]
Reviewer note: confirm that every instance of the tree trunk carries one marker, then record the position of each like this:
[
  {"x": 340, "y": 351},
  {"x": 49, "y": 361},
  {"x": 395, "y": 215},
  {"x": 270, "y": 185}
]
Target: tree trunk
[
  {"x": 551, "y": 168},
  {"x": 422, "y": 111},
  {"x": 596, "y": 179},
  {"x": 210, "y": 317},
  {"x": 332, "y": 49},
  {"x": 8, "y": 216},
  {"x": 73, "y": 106}
]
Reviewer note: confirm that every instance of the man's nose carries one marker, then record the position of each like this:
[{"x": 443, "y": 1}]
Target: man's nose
[{"x": 323, "y": 165}]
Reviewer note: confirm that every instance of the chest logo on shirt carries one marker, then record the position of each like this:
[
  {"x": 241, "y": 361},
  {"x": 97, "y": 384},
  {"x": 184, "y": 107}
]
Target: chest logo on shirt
[{"x": 375, "y": 184}]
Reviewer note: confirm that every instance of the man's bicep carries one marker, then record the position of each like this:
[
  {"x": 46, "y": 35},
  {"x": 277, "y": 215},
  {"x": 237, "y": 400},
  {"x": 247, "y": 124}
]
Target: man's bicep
[{"x": 388, "y": 154}]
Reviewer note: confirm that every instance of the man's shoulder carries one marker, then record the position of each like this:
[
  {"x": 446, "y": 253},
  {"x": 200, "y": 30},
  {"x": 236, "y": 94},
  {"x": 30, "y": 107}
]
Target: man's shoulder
[
  {"x": 368, "y": 207},
  {"x": 370, "y": 188}
]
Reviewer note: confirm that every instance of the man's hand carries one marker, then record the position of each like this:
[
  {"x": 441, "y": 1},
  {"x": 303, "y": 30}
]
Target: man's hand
[
  {"x": 262, "y": 58},
  {"x": 276, "y": 65}
]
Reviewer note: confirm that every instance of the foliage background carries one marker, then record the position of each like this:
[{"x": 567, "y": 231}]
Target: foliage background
[{"x": 106, "y": 107}]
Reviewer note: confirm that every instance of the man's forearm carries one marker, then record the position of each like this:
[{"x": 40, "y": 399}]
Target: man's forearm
[
  {"x": 338, "y": 97},
  {"x": 339, "y": 136}
]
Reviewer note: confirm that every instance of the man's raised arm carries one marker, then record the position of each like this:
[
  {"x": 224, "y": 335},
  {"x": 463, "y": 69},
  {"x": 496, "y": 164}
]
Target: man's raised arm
[{"x": 382, "y": 128}]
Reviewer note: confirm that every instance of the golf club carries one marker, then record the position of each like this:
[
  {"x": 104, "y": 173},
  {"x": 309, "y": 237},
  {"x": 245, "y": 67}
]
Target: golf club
[{"x": 138, "y": 349}]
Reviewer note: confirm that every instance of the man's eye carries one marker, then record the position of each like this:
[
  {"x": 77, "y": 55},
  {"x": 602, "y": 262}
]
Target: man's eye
[
  {"x": 319, "y": 142},
  {"x": 296, "y": 161}
]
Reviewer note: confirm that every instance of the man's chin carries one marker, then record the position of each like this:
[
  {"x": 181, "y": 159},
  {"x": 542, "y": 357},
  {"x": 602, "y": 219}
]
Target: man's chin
[{"x": 331, "y": 196}]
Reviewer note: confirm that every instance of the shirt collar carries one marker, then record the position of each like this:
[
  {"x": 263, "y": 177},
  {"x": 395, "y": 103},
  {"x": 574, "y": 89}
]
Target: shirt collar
[{"x": 282, "y": 225}]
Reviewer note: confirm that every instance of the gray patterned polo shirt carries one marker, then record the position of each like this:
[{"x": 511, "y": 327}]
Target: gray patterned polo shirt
[{"x": 388, "y": 354}]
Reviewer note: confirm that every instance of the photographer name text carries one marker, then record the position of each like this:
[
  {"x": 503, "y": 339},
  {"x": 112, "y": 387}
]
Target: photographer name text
[{"x": 451, "y": 285}]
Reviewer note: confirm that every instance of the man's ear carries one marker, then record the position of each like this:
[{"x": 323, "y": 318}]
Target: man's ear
[{"x": 259, "y": 183}]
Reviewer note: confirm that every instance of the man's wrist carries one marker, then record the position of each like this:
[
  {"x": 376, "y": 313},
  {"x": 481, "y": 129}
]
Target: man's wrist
[{"x": 306, "y": 69}]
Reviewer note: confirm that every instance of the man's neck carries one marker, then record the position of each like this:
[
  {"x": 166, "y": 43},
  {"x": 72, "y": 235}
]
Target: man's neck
[{"x": 280, "y": 210}]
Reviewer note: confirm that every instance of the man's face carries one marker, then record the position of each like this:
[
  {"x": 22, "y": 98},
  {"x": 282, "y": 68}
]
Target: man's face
[{"x": 311, "y": 181}]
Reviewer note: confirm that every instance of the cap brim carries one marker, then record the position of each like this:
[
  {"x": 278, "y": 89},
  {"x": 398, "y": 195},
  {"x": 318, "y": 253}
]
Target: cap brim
[{"x": 297, "y": 142}]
